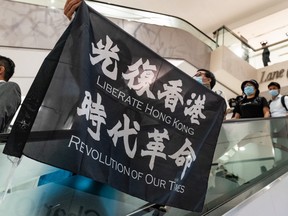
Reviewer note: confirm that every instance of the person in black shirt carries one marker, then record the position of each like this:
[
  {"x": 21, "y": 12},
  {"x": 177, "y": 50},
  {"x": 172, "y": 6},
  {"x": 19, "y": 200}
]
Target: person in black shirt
[
  {"x": 265, "y": 54},
  {"x": 252, "y": 105}
]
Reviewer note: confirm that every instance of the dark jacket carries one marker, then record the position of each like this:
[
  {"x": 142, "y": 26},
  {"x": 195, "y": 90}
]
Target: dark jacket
[{"x": 10, "y": 99}]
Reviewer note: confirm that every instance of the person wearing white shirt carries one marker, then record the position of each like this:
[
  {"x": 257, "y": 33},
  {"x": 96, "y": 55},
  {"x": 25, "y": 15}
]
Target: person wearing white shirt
[
  {"x": 277, "y": 107},
  {"x": 278, "y": 126}
]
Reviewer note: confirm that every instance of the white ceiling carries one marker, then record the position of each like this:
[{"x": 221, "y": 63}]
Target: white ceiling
[{"x": 255, "y": 20}]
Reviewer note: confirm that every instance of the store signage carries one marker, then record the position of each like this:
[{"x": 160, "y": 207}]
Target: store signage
[{"x": 273, "y": 75}]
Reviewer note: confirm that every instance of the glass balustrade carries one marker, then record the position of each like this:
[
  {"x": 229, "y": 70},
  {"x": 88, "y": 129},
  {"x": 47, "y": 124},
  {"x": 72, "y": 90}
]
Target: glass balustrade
[
  {"x": 247, "y": 152},
  {"x": 253, "y": 55}
]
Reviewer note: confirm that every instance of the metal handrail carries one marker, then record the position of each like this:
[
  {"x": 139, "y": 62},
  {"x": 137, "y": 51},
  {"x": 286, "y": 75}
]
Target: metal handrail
[{"x": 245, "y": 42}]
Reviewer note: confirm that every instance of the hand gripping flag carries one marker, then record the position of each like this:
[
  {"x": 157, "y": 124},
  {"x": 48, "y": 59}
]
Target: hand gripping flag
[{"x": 108, "y": 108}]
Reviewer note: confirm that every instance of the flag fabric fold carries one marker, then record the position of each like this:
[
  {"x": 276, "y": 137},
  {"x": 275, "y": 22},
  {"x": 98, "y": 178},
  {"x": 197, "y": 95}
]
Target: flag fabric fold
[{"x": 132, "y": 120}]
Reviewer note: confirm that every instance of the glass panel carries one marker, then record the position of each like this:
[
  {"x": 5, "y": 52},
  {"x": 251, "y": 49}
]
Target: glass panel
[
  {"x": 240, "y": 46},
  {"x": 246, "y": 152}
]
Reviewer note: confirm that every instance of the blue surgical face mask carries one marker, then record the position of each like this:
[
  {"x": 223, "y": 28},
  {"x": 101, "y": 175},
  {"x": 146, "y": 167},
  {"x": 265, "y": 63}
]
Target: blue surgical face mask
[
  {"x": 274, "y": 92},
  {"x": 249, "y": 90},
  {"x": 199, "y": 79}
]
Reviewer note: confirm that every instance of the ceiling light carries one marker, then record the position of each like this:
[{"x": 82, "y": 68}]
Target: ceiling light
[{"x": 242, "y": 148}]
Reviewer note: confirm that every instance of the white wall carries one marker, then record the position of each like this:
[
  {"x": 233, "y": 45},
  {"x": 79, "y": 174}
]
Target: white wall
[
  {"x": 271, "y": 200},
  {"x": 230, "y": 69},
  {"x": 28, "y": 62}
]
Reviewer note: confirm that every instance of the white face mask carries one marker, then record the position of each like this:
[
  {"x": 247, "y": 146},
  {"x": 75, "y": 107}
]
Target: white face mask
[
  {"x": 199, "y": 79},
  {"x": 273, "y": 92},
  {"x": 249, "y": 90}
]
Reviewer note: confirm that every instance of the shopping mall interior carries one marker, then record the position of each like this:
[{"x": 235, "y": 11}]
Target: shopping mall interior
[{"x": 223, "y": 37}]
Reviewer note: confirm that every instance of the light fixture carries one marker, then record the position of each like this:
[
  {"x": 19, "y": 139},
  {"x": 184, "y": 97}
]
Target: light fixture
[{"x": 242, "y": 148}]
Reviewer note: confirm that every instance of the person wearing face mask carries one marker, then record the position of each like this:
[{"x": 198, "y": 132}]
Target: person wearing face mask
[
  {"x": 206, "y": 78},
  {"x": 252, "y": 105},
  {"x": 279, "y": 103},
  {"x": 278, "y": 107}
]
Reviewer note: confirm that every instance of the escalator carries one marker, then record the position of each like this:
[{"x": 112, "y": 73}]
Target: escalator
[{"x": 250, "y": 154}]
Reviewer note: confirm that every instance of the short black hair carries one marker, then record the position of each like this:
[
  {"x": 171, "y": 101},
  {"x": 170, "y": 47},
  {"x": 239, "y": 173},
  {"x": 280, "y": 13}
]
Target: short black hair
[
  {"x": 274, "y": 84},
  {"x": 9, "y": 67},
  {"x": 210, "y": 75}
]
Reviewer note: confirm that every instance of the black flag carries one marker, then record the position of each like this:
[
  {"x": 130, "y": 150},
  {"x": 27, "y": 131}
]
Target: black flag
[{"x": 112, "y": 110}]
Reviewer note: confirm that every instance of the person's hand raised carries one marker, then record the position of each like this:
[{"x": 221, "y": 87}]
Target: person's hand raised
[{"x": 70, "y": 7}]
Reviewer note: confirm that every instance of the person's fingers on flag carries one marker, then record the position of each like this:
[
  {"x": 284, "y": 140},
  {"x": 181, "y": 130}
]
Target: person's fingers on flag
[{"x": 70, "y": 7}]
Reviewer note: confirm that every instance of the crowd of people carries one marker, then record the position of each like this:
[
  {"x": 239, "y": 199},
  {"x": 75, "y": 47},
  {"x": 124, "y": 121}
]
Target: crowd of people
[{"x": 252, "y": 105}]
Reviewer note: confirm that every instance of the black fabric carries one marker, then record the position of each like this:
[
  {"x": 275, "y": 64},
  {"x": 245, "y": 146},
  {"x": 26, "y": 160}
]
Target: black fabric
[
  {"x": 251, "y": 107},
  {"x": 140, "y": 133},
  {"x": 283, "y": 102}
]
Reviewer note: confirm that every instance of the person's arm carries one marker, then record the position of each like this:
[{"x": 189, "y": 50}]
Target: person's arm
[
  {"x": 266, "y": 112},
  {"x": 236, "y": 111},
  {"x": 236, "y": 116},
  {"x": 70, "y": 7}
]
